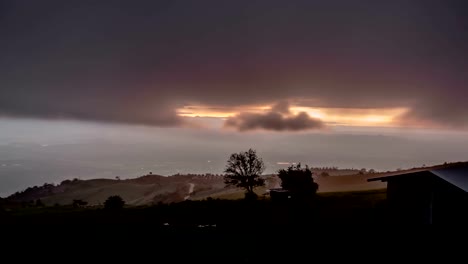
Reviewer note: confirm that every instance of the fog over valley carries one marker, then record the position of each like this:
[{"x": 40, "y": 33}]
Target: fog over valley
[{"x": 33, "y": 152}]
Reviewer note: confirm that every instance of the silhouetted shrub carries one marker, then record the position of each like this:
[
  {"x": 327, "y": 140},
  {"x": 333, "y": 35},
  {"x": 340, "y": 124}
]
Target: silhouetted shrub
[
  {"x": 114, "y": 203},
  {"x": 298, "y": 181},
  {"x": 65, "y": 182},
  {"x": 39, "y": 203},
  {"x": 79, "y": 203},
  {"x": 324, "y": 174}
]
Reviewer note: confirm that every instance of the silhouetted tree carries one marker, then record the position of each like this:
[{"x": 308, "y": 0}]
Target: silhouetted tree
[
  {"x": 324, "y": 174},
  {"x": 114, "y": 202},
  {"x": 39, "y": 203},
  {"x": 64, "y": 182},
  {"x": 79, "y": 203},
  {"x": 244, "y": 170},
  {"x": 298, "y": 181}
]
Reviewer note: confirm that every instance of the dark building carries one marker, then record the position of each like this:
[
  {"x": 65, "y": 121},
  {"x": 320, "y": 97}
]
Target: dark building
[{"x": 433, "y": 196}]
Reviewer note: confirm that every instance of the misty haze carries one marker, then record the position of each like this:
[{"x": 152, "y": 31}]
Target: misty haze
[{"x": 37, "y": 152}]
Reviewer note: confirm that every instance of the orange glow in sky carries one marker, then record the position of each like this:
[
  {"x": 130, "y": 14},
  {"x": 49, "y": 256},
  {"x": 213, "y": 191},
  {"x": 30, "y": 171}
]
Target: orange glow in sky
[
  {"x": 382, "y": 117},
  {"x": 355, "y": 116}
]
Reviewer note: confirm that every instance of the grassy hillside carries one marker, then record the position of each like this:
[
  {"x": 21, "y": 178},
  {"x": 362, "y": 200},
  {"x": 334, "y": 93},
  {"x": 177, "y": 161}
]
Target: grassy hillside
[
  {"x": 153, "y": 189},
  {"x": 227, "y": 213}
]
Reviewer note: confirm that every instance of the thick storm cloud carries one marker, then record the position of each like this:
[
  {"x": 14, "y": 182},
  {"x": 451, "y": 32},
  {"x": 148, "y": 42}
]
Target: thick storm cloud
[
  {"x": 278, "y": 118},
  {"x": 121, "y": 61}
]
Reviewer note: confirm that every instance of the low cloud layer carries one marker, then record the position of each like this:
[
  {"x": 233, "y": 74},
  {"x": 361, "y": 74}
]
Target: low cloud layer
[
  {"x": 130, "y": 62},
  {"x": 278, "y": 118}
]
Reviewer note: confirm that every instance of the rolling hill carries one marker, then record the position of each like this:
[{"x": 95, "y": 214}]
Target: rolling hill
[{"x": 151, "y": 189}]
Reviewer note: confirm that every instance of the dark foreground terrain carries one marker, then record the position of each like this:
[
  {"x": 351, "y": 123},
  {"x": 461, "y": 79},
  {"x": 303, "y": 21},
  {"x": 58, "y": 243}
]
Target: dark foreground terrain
[
  {"x": 347, "y": 208},
  {"x": 350, "y": 225}
]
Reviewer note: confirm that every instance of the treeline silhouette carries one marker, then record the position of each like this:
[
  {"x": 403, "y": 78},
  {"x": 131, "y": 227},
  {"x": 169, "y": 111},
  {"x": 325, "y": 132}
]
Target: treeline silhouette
[{"x": 343, "y": 208}]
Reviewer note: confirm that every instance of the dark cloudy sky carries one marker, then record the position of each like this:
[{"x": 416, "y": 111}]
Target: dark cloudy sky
[{"x": 140, "y": 61}]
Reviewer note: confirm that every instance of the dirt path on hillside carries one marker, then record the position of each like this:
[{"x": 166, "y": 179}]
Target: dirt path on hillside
[{"x": 191, "y": 187}]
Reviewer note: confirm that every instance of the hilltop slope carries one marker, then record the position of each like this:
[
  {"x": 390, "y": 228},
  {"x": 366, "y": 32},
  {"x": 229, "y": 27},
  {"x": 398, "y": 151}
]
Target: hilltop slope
[{"x": 150, "y": 189}]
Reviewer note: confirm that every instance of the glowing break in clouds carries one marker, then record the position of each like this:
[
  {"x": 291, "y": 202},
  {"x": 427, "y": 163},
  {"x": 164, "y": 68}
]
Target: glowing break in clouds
[
  {"x": 381, "y": 117},
  {"x": 243, "y": 117},
  {"x": 138, "y": 62}
]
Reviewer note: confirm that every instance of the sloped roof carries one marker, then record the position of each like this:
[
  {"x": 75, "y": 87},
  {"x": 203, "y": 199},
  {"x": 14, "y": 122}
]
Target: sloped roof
[{"x": 456, "y": 175}]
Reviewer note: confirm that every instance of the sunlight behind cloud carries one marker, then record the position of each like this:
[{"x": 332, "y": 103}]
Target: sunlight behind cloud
[
  {"x": 381, "y": 117},
  {"x": 220, "y": 112}
]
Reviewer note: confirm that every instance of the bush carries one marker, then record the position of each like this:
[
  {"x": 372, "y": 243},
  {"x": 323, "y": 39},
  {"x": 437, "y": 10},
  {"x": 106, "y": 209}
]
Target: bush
[
  {"x": 298, "y": 181},
  {"x": 114, "y": 203}
]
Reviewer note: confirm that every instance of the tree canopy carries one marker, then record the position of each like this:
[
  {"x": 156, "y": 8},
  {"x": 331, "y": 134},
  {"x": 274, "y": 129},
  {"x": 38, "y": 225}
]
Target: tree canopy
[
  {"x": 298, "y": 181},
  {"x": 244, "y": 170}
]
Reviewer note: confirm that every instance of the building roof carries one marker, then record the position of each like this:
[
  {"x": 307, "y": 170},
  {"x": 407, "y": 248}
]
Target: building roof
[{"x": 456, "y": 175}]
